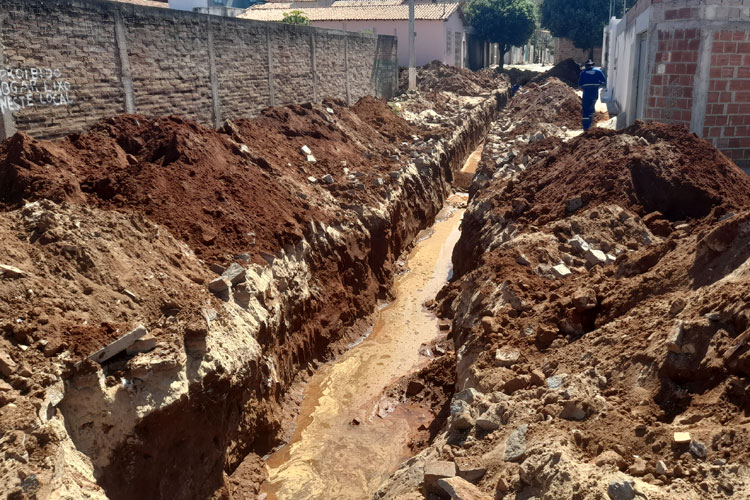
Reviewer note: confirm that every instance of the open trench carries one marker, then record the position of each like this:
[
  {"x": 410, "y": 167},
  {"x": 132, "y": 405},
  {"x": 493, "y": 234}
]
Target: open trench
[{"x": 196, "y": 425}]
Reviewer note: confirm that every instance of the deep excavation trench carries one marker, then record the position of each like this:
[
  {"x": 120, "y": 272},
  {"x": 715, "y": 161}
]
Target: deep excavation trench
[
  {"x": 196, "y": 427},
  {"x": 349, "y": 436}
]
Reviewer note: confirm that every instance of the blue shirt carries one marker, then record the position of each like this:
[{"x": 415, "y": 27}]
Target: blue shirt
[{"x": 590, "y": 80}]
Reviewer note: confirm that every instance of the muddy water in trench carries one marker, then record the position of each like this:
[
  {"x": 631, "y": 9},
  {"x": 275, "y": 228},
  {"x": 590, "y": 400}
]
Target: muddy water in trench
[{"x": 329, "y": 457}]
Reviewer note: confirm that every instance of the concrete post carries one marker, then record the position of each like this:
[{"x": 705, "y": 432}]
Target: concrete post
[
  {"x": 123, "y": 62},
  {"x": 214, "y": 77},
  {"x": 346, "y": 69},
  {"x": 412, "y": 49},
  {"x": 701, "y": 83},
  {"x": 7, "y": 120},
  {"x": 271, "y": 98},
  {"x": 314, "y": 65}
]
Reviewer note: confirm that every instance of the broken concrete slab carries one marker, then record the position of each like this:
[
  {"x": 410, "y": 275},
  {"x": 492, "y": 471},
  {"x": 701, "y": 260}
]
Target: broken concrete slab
[
  {"x": 11, "y": 272},
  {"x": 470, "y": 468},
  {"x": 595, "y": 257},
  {"x": 235, "y": 273},
  {"x": 306, "y": 150},
  {"x": 119, "y": 345},
  {"x": 515, "y": 445},
  {"x": 460, "y": 489},
  {"x": 561, "y": 271},
  {"x": 220, "y": 284},
  {"x": 436, "y": 470},
  {"x": 681, "y": 437},
  {"x": 144, "y": 344}
]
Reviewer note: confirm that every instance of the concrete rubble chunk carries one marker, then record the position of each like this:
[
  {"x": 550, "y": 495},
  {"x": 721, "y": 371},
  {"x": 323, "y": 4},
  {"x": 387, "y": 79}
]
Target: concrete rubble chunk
[
  {"x": 578, "y": 244},
  {"x": 312, "y": 179},
  {"x": 235, "y": 273},
  {"x": 11, "y": 272},
  {"x": 144, "y": 344},
  {"x": 661, "y": 467},
  {"x": 470, "y": 468},
  {"x": 306, "y": 150},
  {"x": 328, "y": 179},
  {"x": 311, "y": 159},
  {"x": 220, "y": 284},
  {"x": 460, "y": 489},
  {"x": 506, "y": 356},
  {"x": 681, "y": 437},
  {"x": 119, "y": 345},
  {"x": 489, "y": 422},
  {"x": 7, "y": 366},
  {"x": 698, "y": 449},
  {"x": 620, "y": 490},
  {"x": 515, "y": 445},
  {"x": 573, "y": 410},
  {"x": 595, "y": 257},
  {"x": 561, "y": 271},
  {"x": 469, "y": 395},
  {"x": 329, "y": 111},
  {"x": 435, "y": 470}
]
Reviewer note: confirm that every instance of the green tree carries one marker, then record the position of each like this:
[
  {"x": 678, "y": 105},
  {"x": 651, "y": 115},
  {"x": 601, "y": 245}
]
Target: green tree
[
  {"x": 296, "y": 17},
  {"x": 581, "y": 21},
  {"x": 505, "y": 22}
]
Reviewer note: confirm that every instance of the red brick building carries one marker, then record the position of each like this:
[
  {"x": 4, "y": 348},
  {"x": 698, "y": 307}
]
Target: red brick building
[{"x": 685, "y": 62}]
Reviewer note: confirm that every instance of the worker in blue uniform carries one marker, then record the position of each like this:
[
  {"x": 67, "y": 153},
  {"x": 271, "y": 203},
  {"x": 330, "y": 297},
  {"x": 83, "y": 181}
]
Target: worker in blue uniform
[{"x": 590, "y": 80}]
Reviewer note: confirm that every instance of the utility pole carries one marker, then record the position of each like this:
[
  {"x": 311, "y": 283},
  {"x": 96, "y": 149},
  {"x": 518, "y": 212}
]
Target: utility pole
[{"x": 412, "y": 50}]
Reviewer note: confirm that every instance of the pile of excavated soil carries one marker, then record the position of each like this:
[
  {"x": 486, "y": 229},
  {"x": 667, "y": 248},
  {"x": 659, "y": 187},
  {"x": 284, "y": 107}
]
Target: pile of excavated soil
[
  {"x": 644, "y": 168},
  {"x": 600, "y": 317},
  {"x": 550, "y": 101},
  {"x": 520, "y": 76},
  {"x": 566, "y": 71},
  {"x": 437, "y": 76},
  {"x": 210, "y": 188}
]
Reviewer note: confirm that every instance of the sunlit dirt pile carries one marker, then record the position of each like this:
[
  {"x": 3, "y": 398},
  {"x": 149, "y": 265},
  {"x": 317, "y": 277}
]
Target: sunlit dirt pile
[
  {"x": 600, "y": 320},
  {"x": 566, "y": 71},
  {"x": 437, "y": 77},
  {"x": 550, "y": 101},
  {"x": 227, "y": 261}
]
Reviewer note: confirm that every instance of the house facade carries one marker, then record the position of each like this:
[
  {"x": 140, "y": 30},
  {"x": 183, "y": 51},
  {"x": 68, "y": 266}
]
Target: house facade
[
  {"x": 439, "y": 27},
  {"x": 684, "y": 62}
]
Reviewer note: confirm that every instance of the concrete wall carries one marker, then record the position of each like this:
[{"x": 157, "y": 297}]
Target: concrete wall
[
  {"x": 697, "y": 68},
  {"x": 64, "y": 64},
  {"x": 430, "y": 41}
]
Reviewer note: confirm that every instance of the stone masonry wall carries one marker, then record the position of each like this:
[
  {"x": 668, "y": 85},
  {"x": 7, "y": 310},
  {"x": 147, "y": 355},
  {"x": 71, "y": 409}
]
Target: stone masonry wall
[
  {"x": 699, "y": 76},
  {"x": 64, "y": 64}
]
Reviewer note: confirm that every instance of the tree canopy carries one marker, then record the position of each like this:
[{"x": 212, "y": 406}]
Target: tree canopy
[
  {"x": 295, "y": 17},
  {"x": 506, "y": 22},
  {"x": 581, "y": 21}
]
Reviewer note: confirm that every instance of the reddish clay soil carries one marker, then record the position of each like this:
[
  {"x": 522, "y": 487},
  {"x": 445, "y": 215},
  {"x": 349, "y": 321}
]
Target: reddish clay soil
[
  {"x": 551, "y": 101},
  {"x": 221, "y": 197},
  {"x": 645, "y": 168}
]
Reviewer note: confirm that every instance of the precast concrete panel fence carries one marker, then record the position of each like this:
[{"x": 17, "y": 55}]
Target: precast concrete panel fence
[{"x": 64, "y": 64}]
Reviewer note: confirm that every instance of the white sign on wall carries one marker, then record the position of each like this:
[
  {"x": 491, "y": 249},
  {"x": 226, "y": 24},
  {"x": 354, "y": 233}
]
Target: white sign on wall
[{"x": 22, "y": 88}]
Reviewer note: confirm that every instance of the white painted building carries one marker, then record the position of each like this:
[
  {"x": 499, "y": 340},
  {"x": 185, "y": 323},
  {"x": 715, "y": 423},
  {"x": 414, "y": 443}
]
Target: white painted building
[{"x": 439, "y": 27}]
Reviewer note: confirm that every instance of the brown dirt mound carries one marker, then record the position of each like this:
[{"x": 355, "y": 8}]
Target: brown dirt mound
[
  {"x": 221, "y": 196},
  {"x": 647, "y": 167},
  {"x": 566, "y": 71},
  {"x": 520, "y": 76},
  {"x": 551, "y": 101},
  {"x": 437, "y": 76}
]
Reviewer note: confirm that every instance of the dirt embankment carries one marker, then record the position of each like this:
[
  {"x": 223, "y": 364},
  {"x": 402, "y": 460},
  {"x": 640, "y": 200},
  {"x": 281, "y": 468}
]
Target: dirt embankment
[
  {"x": 128, "y": 223},
  {"x": 438, "y": 77},
  {"x": 600, "y": 315}
]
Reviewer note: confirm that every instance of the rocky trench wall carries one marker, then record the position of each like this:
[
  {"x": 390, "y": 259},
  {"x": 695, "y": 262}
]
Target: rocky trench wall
[
  {"x": 177, "y": 427},
  {"x": 64, "y": 64}
]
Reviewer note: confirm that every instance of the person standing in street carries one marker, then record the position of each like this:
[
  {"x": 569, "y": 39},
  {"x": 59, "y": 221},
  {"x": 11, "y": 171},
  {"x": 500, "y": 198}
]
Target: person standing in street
[{"x": 590, "y": 80}]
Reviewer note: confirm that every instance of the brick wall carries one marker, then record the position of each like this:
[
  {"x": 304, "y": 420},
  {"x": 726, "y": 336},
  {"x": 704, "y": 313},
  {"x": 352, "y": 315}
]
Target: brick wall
[
  {"x": 699, "y": 71},
  {"x": 670, "y": 97},
  {"x": 564, "y": 49},
  {"x": 727, "y": 121},
  {"x": 64, "y": 64}
]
